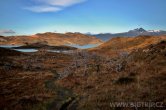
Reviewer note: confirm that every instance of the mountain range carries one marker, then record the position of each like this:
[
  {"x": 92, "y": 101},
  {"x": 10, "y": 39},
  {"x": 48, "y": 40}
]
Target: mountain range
[
  {"x": 130, "y": 33},
  {"x": 54, "y": 39}
]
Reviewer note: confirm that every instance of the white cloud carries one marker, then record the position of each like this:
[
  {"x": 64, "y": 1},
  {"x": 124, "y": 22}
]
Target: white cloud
[
  {"x": 63, "y": 3},
  {"x": 40, "y": 9},
  {"x": 7, "y": 32},
  {"x": 52, "y": 5}
]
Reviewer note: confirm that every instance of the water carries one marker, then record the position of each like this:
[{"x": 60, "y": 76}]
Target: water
[
  {"x": 74, "y": 45},
  {"x": 20, "y": 50},
  {"x": 26, "y": 50},
  {"x": 58, "y": 51},
  {"x": 61, "y": 51},
  {"x": 9, "y": 46},
  {"x": 84, "y": 46}
]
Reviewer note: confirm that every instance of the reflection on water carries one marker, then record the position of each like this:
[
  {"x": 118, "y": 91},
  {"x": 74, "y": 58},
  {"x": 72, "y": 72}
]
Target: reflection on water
[
  {"x": 20, "y": 50},
  {"x": 9, "y": 46},
  {"x": 61, "y": 51},
  {"x": 57, "y": 51},
  {"x": 84, "y": 46},
  {"x": 26, "y": 50}
]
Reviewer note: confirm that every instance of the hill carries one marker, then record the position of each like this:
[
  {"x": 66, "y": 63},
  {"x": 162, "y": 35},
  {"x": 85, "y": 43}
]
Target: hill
[
  {"x": 52, "y": 39},
  {"x": 137, "y": 77},
  {"x": 84, "y": 80},
  {"x": 2, "y": 39},
  {"x": 43, "y": 45},
  {"x": 126, "y": 44}
]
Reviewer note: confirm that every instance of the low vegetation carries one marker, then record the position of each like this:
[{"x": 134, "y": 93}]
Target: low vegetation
[{"x": 83, "y": 79}]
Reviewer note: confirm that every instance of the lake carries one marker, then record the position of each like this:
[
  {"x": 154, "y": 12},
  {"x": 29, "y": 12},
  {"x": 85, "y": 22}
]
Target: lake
[
  {"x": 26, "y": 50},
  {"x": 9, "y": 46},
  {"x": 20, "y": 50},
  {"x": 58, "y": 51},
  {"x": 84, "y": 46}
]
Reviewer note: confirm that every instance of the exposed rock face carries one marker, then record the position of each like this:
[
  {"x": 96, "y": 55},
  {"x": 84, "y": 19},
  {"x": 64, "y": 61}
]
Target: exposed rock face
[{"x": 53, "y": 39}]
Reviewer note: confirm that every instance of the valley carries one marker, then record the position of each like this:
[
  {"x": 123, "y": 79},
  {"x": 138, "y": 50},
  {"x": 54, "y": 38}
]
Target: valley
[
  {"x": 82, "y": 54},
  {"x": 122, "y": 69}
]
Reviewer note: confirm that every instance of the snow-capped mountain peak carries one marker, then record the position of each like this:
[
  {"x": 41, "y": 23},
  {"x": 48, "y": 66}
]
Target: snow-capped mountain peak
[{"x": 140, "y": 30}]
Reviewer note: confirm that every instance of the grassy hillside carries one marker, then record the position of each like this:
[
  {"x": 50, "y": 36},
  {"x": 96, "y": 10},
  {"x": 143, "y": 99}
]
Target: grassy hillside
[
  {"x": 138, "y": 77},
  {"x": 121, "y": 44},
  {"x": 84, "y": 80},
  {"x": 52, "y": 39}
]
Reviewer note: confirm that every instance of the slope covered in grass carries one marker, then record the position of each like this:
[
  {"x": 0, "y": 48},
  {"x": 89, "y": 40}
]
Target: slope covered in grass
[{"x": 120, "y": 44}]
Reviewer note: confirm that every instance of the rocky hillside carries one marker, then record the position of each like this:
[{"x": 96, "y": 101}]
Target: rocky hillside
[
  {"x": 127, "y": 44},
  {"x": 82, "y": 80},
  {"x": 51, "y": 39},
  {"x": 137, "y": 77}
]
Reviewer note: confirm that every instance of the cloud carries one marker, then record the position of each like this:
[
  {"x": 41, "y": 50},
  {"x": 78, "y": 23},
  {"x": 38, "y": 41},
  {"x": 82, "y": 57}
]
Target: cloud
[
  {"x": 51, "y": 5},
  {"x": 40, "y": 9},
  {"x": 7, "y": 32},
  {"x": 63, "y": 3}
]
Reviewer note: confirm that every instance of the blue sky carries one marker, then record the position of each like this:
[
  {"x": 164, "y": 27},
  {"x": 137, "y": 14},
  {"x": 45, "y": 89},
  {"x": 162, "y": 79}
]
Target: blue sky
[{"x": 96, "y": 16}]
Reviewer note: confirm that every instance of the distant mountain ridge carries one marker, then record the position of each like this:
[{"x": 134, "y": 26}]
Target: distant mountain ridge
[
  {"x": 54, "y": 39},
  {"x": 130, "y": 33}
]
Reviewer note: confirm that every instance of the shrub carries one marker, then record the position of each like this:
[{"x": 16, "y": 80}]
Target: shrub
[{"x": 124, "y": 80}]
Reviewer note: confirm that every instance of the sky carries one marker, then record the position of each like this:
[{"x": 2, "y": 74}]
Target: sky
[{"x": 95, "y": 16}]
